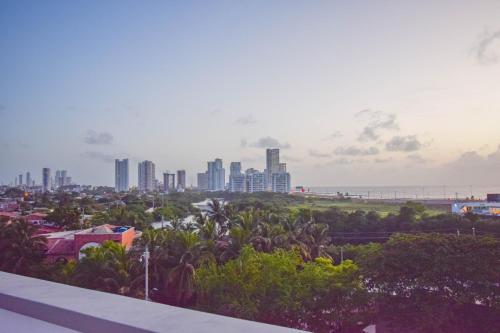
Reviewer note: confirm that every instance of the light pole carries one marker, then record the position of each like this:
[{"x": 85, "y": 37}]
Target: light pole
[{"x": 145, "y": 256}]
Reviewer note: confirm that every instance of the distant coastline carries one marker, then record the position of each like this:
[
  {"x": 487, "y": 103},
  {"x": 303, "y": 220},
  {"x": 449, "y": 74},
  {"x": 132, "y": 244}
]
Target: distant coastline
[{"x": 398, "y": 193}]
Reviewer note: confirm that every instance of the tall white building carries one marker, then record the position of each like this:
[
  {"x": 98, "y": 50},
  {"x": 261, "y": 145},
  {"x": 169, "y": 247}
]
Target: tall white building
[
  {"x": 281, "y": 182},
  {"x": 202, "y": 181},
  {"x": 46, "y": 184},
  {"x": 168, "y": 182},
  {"x": 146, "y": 176},
  {"x": 121, "y": 175},
  {"x": 216, "y": 175},
  {"x": 181, "y": 180},
  {"x": 57, "y": 179},
  {"x": 255, "y": 181},
  {"x": 28, "y": 179},
  {"x": 237, "y": 180},
  {"x": 272, "y": 165}
]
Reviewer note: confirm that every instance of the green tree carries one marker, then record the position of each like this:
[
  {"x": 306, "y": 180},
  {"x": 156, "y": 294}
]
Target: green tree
[
  {"x": 280, "y": 288},
  {"x": 429, "y": 282},
  {"x": 21, "y": 249},
  {"x": 109, "y": 267}
]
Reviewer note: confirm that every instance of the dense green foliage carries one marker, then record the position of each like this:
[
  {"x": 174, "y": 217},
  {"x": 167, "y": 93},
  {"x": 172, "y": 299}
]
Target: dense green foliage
[
  {"x": 21, "y": 251},
  {"x": 280, "y": 288}
]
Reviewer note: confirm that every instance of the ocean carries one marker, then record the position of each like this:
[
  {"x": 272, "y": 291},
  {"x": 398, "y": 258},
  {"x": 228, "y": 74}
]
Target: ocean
[{"x": 408, "y": 192}]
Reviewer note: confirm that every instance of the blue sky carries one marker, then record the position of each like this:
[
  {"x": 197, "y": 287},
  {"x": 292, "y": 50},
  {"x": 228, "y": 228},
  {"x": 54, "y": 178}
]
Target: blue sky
[{"x": 356, "y": 93}]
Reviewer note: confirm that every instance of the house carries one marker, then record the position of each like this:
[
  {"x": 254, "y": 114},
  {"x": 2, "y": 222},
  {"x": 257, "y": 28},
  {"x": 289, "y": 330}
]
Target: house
[{"x": 67, "y": 245}]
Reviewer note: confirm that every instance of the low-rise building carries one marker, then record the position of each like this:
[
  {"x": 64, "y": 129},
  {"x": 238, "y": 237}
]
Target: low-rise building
[
  {"x": 67, "y": 245},
  {"x": 476, "y": 207}
]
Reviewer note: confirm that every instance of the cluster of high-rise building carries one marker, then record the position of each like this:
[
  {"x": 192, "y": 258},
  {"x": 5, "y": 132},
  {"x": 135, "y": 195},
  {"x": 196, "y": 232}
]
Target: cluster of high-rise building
[
  {"x": 25, "y": 182},
  {"x": 147, "y": 181},
  {"x": 49, "y": 183},
  {"x": 274, "y": 178},
  {"x": 60, "y": 179}
]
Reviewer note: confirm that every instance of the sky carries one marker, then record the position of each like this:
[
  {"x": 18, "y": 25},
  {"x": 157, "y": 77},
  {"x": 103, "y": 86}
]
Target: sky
[{"x": 355, "y": 93}]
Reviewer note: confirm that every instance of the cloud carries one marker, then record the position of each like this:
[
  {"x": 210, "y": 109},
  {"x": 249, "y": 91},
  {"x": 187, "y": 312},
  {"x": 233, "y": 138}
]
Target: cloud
[
  {"x": 416, "y": 158},
  {"x": 98, "y": 156},
  {"x": 368, "y": 134},
  {"x": 473, "y": 168},
  {"x": 356, "y": 151},
  {"x": 334, "y": 135},
  {"x": 269, "y": 142},
  {"x": 98, "y": 138},
  {"x": 404, "y": 143},
  {"x": 487, "y": 49},
  {"x": 378, "y": 121},
  {"x": 246, "y": 120},
  {"x": 315, "y": 153}
]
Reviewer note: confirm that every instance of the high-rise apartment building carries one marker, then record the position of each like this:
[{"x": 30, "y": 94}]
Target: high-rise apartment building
[
  {"x": 202, "y": 181},
  {"x": 46, "y": 185},
  {"x": 28, "y": 179},
  {"x": 181, "y": 180},
  {"x": 57, "y": 179},
  {"x": 146, "y": 176},
  {"x": 216, "y": 175},
  {"x": 121, "y": 175},
  {"x": 272, "y": 165},
  {"x": 255, "y": 181},
  {"x": 237, "y": 181},
  {"x": 63, "y": 181},
  {"x": 281, "y": 182},
  {"x": 168, "y": 182}
]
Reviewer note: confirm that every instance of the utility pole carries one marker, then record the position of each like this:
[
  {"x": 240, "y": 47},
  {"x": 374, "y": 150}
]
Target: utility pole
[{"x": 145, "y": 255}]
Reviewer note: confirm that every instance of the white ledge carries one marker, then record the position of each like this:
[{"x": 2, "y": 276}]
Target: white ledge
[{"x": 87, "y": 310}]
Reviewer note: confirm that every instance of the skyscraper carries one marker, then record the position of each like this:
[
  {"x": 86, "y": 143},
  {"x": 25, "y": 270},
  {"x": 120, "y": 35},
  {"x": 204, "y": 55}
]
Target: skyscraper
[
  {"x": 281, "y": 182},
  {"x": 20, "y": 180},
  {"x": 181, "y": 180},
  {"x": 57, "y": 179},
  {"x": 255, "y": 181},
  {"x": 168, "y": 182},
  {"x": 46, "y": 179},
  {"x": 202, "y": 181},
  {"x": 216, "y": 175},
  {"x": 236, "y": 178},
  {"x": 272, "y": 165},
  {"x": 28, "y": 179},
  {"x": 63, "y": 181},
  {"x": 121, "y": 175},
  {"x": 146, "y": 176}
]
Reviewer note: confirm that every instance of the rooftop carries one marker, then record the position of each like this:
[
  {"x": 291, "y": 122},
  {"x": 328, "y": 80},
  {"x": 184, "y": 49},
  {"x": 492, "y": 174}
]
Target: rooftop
[{"x": 32, "y": 305}]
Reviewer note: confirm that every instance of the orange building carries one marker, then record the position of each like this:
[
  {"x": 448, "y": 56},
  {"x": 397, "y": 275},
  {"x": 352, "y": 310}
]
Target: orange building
[{"x": 67, "y": 245}]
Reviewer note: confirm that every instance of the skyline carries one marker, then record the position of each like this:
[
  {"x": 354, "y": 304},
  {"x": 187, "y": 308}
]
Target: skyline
[{"x": 352, "y": 94}]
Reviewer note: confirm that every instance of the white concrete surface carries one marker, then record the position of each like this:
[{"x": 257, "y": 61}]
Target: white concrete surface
[
  {"x": 93, "y": 311},
  {"x": 15, "y": 322}
]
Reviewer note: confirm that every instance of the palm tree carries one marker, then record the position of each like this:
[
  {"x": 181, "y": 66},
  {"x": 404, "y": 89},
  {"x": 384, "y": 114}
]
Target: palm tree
[
  {"x": 218, "y": 215},
  {"x": 110, "y": 268},
  {"x": 180, "y": 281},
  {"x": 21, "y": 250}
]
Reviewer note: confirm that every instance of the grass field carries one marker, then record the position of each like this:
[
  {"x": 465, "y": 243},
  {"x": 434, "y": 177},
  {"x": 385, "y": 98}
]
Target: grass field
[{"x": 382, "y": 208}]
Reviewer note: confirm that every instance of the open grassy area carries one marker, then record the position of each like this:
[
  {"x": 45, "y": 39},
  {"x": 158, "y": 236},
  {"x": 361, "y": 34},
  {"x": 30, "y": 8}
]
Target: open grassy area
[{"x": 383, "y": 208}]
